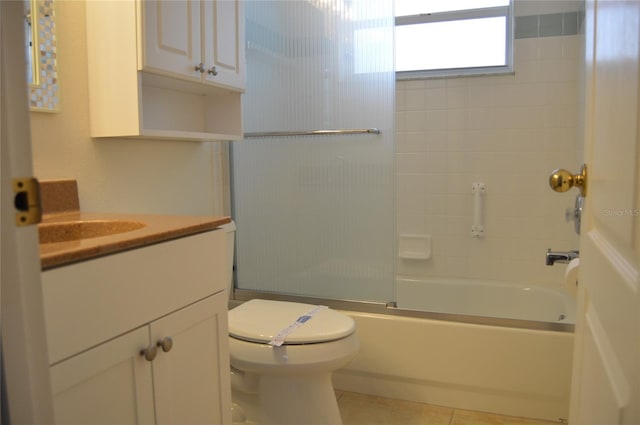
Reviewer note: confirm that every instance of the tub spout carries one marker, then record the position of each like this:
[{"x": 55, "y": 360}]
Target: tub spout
[{"x": 553, "y": 257}]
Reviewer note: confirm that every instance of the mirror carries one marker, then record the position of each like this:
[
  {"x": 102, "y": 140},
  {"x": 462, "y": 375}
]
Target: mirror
[{"x": 40, "y": 50}]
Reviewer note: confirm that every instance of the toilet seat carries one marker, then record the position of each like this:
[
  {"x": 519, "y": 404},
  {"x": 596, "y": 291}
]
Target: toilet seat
[{"x": 259, "y": 321}]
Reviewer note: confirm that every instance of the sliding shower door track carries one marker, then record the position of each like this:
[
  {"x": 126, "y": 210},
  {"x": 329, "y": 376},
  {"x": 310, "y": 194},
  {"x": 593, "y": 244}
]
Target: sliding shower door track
[{"x": 241, "y": 295}]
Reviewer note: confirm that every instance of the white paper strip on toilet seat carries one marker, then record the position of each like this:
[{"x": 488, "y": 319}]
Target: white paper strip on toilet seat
[{"x": 279, "y": 339}]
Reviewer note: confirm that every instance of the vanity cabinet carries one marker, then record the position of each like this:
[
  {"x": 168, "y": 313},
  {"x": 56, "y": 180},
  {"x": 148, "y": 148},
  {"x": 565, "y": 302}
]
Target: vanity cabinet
[
  {"x": 166, "y": 69},
  {"x": 115, "y": 383},
  {"x": 141, "y": 337}
]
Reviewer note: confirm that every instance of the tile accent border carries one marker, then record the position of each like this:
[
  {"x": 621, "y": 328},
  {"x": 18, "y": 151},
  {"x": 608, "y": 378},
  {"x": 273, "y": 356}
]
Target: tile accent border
[
  {"x": 45, "y": 97},
  {"x": 549, "y": 25}
]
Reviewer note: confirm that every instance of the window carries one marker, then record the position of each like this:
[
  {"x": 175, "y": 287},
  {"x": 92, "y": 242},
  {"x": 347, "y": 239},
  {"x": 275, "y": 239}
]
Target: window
[{"x": 452, "y": 37}]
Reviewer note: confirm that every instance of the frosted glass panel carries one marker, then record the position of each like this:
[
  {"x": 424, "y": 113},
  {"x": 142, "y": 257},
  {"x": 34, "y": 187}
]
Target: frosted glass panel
[{"x": 315, "y": 214}]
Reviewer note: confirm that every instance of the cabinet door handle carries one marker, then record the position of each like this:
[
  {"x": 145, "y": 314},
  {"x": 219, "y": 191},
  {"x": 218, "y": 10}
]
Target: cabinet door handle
[
  {"x": 200, "y": 67},
  {"x": 149, "y": 353},
  {"x": 165, "y": 343},
  {"x": 213, "y": 71}
]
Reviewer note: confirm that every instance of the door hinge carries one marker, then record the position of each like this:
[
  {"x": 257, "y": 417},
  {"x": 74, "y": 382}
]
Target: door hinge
[{"x": 27, "y": 201}]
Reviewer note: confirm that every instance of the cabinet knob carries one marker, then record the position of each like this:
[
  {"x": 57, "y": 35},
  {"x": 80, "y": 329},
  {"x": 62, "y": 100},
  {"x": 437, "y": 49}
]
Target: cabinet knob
[
  {"x": 200, "y": 67},
  {"x": 166, "y": 344},
  {"x": 149, "y": 353},
  {"x": 213, "y": 71}
]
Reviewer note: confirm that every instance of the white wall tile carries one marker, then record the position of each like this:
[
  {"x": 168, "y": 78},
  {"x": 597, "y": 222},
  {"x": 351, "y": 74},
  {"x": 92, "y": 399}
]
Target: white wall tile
[
  {"x": 457, "y": 119},
  {"x": 415, "y": 121},
  {"x": 411, "y": 223},
  {"x": 526, "y": 71},
  {"x": 412, "y": 203},
  {"x": 572, "y": 46},
  {"x": 400, "y": 122},
  {"x": 401, "y": 100},
  {"x": 436, "y": 140},
  {"x": 414, "y": 100},
  {"x": 435, "y": 120},
  {"x": 481, "y": 96},
  {"x": 508, "y": 131},
  {"x": 410, "y": 183},
  {"x": 435, "y": 207},
  {"x": 457, "y": 96},
  {"x": 414, "y": 84},
  {"x": 525, "y": 49},
  {"x": 482, "y": 118},
  {"x": 551, "y": 47},
  {"x": 436, "y": 98}
]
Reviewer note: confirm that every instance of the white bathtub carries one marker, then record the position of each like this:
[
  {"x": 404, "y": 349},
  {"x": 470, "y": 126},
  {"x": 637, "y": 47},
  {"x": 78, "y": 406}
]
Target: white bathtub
[
  {"x": 496, "y": 368},
  {"x": 490, "y": 347},
  {"x": 484, "y": 298}
]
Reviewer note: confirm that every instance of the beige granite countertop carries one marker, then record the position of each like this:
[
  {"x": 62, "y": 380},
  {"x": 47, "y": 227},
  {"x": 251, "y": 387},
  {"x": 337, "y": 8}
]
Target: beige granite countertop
[{"x": 158, "y": 228}]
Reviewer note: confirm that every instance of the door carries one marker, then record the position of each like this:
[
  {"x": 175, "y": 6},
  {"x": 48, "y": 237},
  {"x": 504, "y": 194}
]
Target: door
[
  {"x": 25, "y": 368},
  {"x": 109, "y": 384},
  {"x": 223, "y": 47},
  {"x": 172, "y": 40},
  {"x": 605, "y": 387},
  {"x": 191, "y": 371}
]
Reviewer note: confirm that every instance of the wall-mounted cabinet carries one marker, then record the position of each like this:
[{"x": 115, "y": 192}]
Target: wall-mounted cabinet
[{"x": 166, "y": 69}]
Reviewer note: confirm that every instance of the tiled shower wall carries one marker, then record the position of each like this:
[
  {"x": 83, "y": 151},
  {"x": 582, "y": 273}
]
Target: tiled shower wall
[{"x": 506, "y": 131}]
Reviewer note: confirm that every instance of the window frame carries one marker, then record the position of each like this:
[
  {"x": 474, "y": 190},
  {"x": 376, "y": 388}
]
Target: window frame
[{"x": 458, "y": 15}]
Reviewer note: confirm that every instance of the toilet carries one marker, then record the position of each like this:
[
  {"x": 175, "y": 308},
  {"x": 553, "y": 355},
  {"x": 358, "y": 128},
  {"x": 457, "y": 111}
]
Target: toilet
[{"x": 287, "y": 384}]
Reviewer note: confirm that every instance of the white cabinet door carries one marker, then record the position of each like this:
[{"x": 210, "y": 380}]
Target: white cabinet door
[
  {"x": 191, "y": 379},
  {"x": 172, "y": 37},
  {"x": 223, "y": 44},
  {"x": 111, "y": 383}
]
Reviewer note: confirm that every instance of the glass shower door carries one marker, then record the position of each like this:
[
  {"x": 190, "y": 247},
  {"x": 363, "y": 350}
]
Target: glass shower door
[{"x": 315, "y": 214}]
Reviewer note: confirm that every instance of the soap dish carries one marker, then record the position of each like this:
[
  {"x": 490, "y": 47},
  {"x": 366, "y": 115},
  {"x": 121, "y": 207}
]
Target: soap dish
[{"x": 414, "y": 247}]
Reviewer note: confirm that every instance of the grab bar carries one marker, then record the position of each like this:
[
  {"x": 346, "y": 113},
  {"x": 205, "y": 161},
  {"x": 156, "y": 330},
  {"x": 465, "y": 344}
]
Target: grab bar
[{"x": 311, "y": 133}]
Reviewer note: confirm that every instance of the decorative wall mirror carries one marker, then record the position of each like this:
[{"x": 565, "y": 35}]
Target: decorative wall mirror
[{"x": 40, "y": 50}]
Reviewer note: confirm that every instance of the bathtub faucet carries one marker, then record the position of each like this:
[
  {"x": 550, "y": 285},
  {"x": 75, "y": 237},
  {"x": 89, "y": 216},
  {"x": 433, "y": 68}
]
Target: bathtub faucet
[{"x": 553, "y": 257}]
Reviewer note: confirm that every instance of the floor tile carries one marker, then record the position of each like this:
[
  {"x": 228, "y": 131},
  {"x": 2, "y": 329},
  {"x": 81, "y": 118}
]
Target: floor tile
[
  {"x": 362, "y": 409},
  {"x": 466, "y": 417}
]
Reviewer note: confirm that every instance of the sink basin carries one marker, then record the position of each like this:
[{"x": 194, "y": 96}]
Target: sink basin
[{"x": 66, "y": 231}]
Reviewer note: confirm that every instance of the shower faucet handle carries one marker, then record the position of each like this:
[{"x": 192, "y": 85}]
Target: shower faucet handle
[
  {"x": 575, "y": 214},
  {"x": 564, "y": 257}
]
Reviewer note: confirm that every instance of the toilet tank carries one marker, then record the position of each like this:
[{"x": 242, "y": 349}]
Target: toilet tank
[{"x": 230, "y": 230}]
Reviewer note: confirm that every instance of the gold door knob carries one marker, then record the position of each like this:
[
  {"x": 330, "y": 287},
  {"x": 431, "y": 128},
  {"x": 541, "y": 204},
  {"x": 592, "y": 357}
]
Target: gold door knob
[{"x": 562, "y": 180}]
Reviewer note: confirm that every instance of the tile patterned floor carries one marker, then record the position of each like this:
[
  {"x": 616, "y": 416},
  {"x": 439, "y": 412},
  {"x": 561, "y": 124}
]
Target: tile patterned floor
[{"x": 362, "y": 409}]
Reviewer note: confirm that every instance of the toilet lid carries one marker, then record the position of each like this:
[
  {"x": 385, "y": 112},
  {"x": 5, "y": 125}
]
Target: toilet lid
[{"x": 261, "y": 320}]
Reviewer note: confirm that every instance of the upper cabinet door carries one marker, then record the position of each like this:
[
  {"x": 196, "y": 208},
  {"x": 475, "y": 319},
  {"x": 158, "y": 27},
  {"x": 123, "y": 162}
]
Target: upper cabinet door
[
  {"x": 223, "y": 42},
  {"x": 172, "y": 37}
]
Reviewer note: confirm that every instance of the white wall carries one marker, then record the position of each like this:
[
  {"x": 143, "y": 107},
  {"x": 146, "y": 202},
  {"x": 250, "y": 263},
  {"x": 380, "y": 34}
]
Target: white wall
[
  {"x": 507, "y": 131},
  {"x": 164, "y": 177}
]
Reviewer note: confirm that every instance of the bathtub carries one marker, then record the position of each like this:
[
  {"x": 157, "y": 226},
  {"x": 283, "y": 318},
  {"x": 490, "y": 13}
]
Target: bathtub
[
  {"x": 485, "y": 299},
  {"x": 516, "y": 362}
]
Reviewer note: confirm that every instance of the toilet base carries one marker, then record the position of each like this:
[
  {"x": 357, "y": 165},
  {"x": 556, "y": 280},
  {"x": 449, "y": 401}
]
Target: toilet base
[{"x": 291, "y": 400}]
